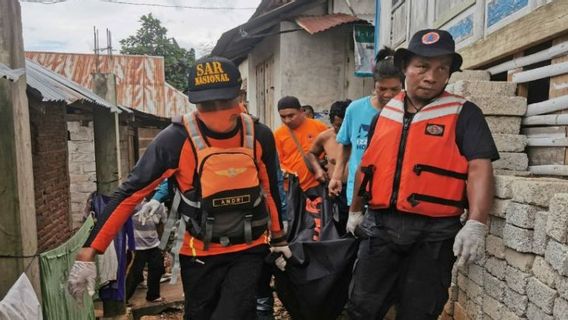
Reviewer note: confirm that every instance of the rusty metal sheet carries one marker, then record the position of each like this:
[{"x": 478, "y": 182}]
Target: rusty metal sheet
[
  {"x": 140, "y": 80},
  {"x": 55, "y": 87},
  {"x": 176, "y": 102},
  {"x": 315, "y": 24}
]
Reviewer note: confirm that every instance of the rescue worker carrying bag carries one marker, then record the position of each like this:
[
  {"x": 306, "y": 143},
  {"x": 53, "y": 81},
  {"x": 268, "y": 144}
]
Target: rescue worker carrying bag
[{"x": 226, "y": 204}]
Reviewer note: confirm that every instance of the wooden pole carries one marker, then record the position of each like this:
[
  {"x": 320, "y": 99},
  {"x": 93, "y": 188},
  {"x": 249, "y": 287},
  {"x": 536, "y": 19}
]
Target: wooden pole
[
  {"x": 522, "y": 88},
  {"x": 547, "y": 120},
  {"x": 542, "y": 72},
  {"x": 551, "y": 170},
  {"x": 547, "y": 142},
  {"x": 540, "y": 56},
  {"x": 18, "y": 233},
  {"x": 106, "y": 129},
  {"x": 548, "y": 106}
]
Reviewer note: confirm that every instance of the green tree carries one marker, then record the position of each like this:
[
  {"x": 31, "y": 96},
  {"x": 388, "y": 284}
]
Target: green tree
[{"x": 151, "y": 39}]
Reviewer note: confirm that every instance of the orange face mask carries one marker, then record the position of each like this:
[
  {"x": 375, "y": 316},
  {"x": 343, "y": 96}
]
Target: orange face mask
[{"x": 222, "y": 120}]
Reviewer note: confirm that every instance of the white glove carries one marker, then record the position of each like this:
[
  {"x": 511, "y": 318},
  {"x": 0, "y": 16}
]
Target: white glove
[
  {"x": 280, "y": 262},
  {"x": 468, "y": 242},
  {"x": 285, "y": 250},
  {"x": 82, "y": 276},
  {"x": 148, "y": 210},
  {"x": 355, "y": 219}
]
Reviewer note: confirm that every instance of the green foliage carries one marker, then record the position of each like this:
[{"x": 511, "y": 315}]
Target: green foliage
[{"x": 151, "y": 39}]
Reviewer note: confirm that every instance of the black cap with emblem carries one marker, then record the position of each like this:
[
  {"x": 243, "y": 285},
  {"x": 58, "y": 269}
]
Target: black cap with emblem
[
  {"x": 213, "y": 78},
  {"x": 429, "y": 43}
]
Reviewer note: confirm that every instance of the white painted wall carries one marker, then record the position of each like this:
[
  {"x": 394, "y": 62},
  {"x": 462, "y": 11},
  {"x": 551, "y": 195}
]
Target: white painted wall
[
  {"x": 399, "y": 23},
  {"x": 322, "y": 68},
  {"x": 269, "y": 46},
  {"x": 318, "y": 69},
  {"x": 244, "y": 70}
]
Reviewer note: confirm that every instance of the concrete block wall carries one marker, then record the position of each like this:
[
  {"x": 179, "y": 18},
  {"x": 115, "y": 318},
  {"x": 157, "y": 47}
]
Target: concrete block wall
[
  {"x": 503, "y": 112},
  {"x": 51, "y": 178},
  {"x": 82, "y": 168},
  {"x": 524, "y": 273}
]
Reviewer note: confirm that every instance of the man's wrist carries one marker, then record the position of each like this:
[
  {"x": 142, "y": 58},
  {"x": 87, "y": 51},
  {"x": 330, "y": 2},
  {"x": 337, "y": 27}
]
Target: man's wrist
[
  {"x": 482, "y": 218},
  {"x": 87, "y": 254}
]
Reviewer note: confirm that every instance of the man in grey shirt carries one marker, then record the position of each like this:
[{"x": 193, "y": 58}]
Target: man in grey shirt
[{"x": 147, "y": 241}]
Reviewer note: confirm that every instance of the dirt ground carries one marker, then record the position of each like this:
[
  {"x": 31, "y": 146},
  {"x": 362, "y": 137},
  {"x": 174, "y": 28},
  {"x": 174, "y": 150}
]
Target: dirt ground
[{"x": 280, "y": 313}]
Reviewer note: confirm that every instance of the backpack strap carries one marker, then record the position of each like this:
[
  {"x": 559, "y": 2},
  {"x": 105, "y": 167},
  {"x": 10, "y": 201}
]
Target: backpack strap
[
  {"x": 172, "y": 218},
  {"x": 192, "y": 128},
  {"x": 180, "y": 232},
  {"x": 248, "y": 131}
]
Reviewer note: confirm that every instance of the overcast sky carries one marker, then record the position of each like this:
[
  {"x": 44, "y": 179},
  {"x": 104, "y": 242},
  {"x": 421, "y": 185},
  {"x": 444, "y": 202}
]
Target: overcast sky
[{"x": 68, "y": 26}]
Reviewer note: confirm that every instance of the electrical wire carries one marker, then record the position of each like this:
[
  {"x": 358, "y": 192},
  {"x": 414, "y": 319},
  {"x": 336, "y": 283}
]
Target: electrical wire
[
  {"x": 177, "y": 6},
  {"x": 149, "y": 5}
]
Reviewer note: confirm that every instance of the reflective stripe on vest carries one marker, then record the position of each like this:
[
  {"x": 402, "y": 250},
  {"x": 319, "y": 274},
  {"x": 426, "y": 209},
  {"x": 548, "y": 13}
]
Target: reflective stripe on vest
[{"x": 430, "y": 176}]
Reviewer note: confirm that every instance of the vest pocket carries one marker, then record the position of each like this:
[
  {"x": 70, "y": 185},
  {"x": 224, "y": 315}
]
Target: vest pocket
[
  {"x": 415, "y": 199},
  {"x": 419, "y": 168}
]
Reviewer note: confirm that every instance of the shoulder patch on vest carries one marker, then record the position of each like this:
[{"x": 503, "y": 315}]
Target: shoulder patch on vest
[{"x": 433, "y": 129}]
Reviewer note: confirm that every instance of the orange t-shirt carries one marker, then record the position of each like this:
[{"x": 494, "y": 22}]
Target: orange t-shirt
[{"x": 290, "y": 158}]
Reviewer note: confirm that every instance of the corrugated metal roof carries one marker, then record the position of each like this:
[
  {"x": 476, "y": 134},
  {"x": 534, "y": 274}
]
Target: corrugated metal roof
[
  {"x": 11, "y": 74},
  {"x": 315, "y": 24},
  {"x": 140, "y": 80},
  {"x": 235, "y": 44},
  {"x": 54, "y": 87},
  {"x": 267, "y": 6}
]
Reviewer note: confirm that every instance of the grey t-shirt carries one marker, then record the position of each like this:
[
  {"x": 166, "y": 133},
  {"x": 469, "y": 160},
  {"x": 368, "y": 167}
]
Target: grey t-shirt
[{"x": 146, "y": 236}]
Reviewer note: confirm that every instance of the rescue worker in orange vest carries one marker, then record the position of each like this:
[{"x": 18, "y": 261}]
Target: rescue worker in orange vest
[
  {"x": 224, "y": 171},
  {"x": 428, "y": 158}
]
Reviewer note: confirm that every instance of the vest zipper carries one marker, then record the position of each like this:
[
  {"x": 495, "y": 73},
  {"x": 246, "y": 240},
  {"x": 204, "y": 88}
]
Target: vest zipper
[{"x": 401, "y": 147}]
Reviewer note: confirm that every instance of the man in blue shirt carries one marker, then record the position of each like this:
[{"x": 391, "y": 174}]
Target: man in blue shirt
[{"x": 353, "y": 132}]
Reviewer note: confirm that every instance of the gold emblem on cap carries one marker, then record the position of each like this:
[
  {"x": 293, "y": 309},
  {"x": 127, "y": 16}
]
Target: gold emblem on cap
[{"x": 210, "y": 73}]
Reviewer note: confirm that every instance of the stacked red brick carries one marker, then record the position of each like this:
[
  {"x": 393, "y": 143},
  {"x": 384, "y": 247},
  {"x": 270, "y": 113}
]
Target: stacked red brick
[{"x": 51, "y": 175}]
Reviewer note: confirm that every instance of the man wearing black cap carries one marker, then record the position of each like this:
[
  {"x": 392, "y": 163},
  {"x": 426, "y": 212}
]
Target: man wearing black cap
[
  {"x": 224, "y": 171},
  {"x": 430, "y": 159}
]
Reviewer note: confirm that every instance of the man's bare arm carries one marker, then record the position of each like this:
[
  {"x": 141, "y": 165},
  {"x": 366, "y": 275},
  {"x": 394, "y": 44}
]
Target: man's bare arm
[
  {"x": 480, "y": 189},
  {"x": 336, "y": 181}
]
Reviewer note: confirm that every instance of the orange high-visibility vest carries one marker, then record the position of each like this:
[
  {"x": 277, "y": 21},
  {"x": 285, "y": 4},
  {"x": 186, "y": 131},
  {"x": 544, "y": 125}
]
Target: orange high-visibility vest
[{"x": 414, "y": 165}]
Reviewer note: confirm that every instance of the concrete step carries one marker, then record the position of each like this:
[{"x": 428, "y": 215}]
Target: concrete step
[
  {"x": 504, "y": 124},
  {"x": 478, "y": 75},
  {"x": 512, "y": 161},
  {"x": 501, "y": 106},
  {"x": 510, "y": 142},
  {"x": 469, "y": 88}
]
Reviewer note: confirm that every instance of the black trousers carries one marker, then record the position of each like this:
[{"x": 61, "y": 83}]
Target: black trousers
[
  {"x": 407, "y": 262},
  {"x": 414, "y": 277},
  {"x": 264, "y": 289},
  {"x": 153, "y": 257},
  {"x": 222, "y": 286}
]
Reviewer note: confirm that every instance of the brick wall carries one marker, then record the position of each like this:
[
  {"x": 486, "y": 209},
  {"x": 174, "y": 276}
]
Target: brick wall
[
  {"x": 51, "y": 177},
  {"x": 82, "y": 169}
]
